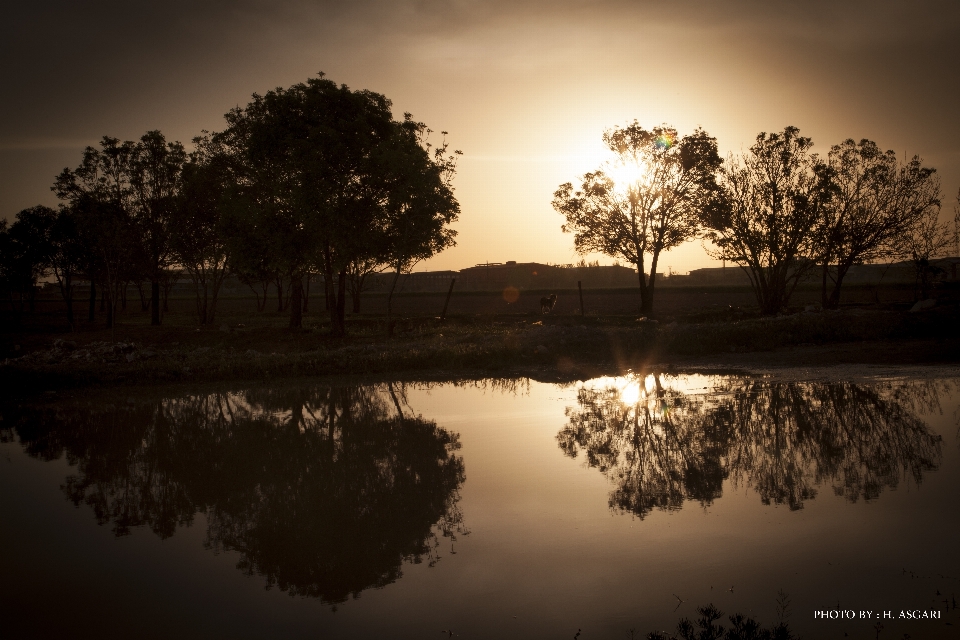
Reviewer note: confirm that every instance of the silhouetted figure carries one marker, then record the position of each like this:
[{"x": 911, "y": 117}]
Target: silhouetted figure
[{"x": 547, "y": 302}]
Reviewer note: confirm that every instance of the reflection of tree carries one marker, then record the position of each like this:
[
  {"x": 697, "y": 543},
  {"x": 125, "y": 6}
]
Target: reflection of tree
[
  {"x": 652, "y": 448},
  {"x": 324, "y": 491},
  {"x": 782, "y": 439}
]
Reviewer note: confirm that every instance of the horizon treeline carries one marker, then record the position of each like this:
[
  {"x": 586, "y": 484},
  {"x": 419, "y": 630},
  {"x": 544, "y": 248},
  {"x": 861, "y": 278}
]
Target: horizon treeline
[{"x": 312, "y": 179}]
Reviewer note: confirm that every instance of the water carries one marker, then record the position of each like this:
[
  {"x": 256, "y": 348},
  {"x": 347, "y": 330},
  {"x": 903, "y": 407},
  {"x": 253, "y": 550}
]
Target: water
[{"x": 503, "y": 508}]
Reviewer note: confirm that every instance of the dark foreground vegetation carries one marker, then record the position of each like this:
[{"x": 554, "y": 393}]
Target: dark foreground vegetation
[
  {"x": 42, "y": 354},
  {"x": 708, "y": 627}
]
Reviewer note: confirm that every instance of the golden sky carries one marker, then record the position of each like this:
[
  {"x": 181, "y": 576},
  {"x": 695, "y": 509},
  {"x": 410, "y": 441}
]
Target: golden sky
[{"x": 525, "y": 89}]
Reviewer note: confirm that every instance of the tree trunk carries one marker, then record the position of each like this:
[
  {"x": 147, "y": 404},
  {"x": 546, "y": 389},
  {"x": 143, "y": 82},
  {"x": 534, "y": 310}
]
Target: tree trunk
[
  {"x": 393, "y": 286},
  {"x": 306, "y": 293},
  {"x": 154, "y": 302},
  {"x": 279, "y": 283},
  {"x": 67, "y": 290},
  {"x": 824, "y": 300},
  {"x": 833, "y": 302},
  {"x": 144, "y": 301},
  {"x": 92, "y": 312},
  {"x": 342, "y": 300},
  {"x": 643, "y": 287},
  {"x": 648, "y": 298},
  {"x": 296, "y": 302}
]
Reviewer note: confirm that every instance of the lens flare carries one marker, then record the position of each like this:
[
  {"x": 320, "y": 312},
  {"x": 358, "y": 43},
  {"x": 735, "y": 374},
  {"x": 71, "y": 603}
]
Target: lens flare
[{"x": 665, "y": 140}]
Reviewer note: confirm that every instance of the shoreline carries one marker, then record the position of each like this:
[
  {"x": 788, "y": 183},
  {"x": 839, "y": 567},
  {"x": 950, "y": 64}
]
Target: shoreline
[{"x": 558, "y": 348}]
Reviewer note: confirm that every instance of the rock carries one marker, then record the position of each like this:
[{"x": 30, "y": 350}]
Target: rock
[
  {"x": 146, "y": 354},
  {"x": 923, "y": 305},
  {"x": 225, "y": 328},
  {"x": 810, "y": 309},
  {"x": 251, "y": 352},
  {"x": 131, "y": 357},
  {"x": 542, "y": 350}
]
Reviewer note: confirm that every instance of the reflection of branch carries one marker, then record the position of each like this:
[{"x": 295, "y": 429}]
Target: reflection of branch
[{"x": 396, "y": 403}]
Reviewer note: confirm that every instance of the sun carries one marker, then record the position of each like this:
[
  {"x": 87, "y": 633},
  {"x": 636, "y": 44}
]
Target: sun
[{"x": 627, "y": 175}]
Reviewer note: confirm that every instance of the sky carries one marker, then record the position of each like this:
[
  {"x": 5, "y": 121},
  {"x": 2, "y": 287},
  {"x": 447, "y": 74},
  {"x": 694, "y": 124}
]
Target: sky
[{"x": 525, "y": 89}]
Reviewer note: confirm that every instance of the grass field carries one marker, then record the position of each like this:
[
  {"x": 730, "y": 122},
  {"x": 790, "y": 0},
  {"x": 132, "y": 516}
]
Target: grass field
[{"x": 482, "y": 335}]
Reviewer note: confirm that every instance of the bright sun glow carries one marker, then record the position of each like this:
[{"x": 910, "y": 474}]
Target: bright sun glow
[
  {"x": 625, "y": 174},
  {"x": 630, "y": 393}
]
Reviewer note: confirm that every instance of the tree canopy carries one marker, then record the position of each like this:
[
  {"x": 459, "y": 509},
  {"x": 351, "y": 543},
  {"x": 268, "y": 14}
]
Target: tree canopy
[
  {"x": 763, "y": 216},
  {"x": 874, "y": 201},
  {"x": 646, "y": 201},
  {"x": 336, "y": 179}
]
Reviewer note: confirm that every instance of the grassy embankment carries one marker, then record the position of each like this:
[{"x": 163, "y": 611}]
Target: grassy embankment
[{"x": 258, "y": 346}]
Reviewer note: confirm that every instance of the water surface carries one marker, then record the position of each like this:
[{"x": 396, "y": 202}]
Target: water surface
[{"x": 502, "y": 508}]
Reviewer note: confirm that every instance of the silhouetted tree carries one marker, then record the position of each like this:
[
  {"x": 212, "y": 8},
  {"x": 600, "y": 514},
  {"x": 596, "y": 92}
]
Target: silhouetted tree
[
  {"x": 646, "y": 202},
  {"x": 770, "y": 202},
  {"x": 197, "y": 234},
  {"x": 926, "y": 239},
  {"x": 25, "y": 253},
  {"x": 357, "y": 273},
  {"x": 99, "y": 194},
  {"x": 335, "y": 180},
  {"x": 155, "y": 166},
  {"x": 417, "y": 202},
  {"x": 875, "y": 202},
  {"x": 305, "y": 156}
]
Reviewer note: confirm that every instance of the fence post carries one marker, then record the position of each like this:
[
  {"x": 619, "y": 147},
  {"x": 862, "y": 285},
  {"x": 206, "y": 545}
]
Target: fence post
[{"x": 446, "y": 302}]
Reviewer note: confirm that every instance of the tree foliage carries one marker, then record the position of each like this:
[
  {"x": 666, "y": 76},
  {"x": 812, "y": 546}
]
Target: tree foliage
[
  {"x": 197, "y": 237},
  {"x": 874, "y": 202},
  {"x": 645, "y": 202},
  {"x": 336, "y": 181},
  {"x": 770, "y": 200}
]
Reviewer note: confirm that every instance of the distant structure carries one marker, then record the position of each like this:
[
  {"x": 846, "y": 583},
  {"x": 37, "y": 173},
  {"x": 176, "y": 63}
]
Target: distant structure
[{"x": 536, "y": 276}]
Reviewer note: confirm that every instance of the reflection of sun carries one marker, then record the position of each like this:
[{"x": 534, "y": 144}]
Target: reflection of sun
[{"x": 630, "y": 393}]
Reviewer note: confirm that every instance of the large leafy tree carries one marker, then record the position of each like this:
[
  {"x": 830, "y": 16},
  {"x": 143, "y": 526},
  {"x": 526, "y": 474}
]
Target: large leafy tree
[
  {"x": 646, "y": 201},
  {"x": 25, "y": 253},
  {"x": 197, "y": 239},
  {"x": 327, "y": 170},
  {"x": 875, "y": 202},
  {"x": 99, "y": 193},
  {"x": 771, "y": 200},
  {"x": 155, "y": 177},
  {"x": 417, "y": 202},
  {"x": 304, "y": 157}
]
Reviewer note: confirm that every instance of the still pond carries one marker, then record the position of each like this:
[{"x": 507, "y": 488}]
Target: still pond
[{"x": 495, "y": 509}]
